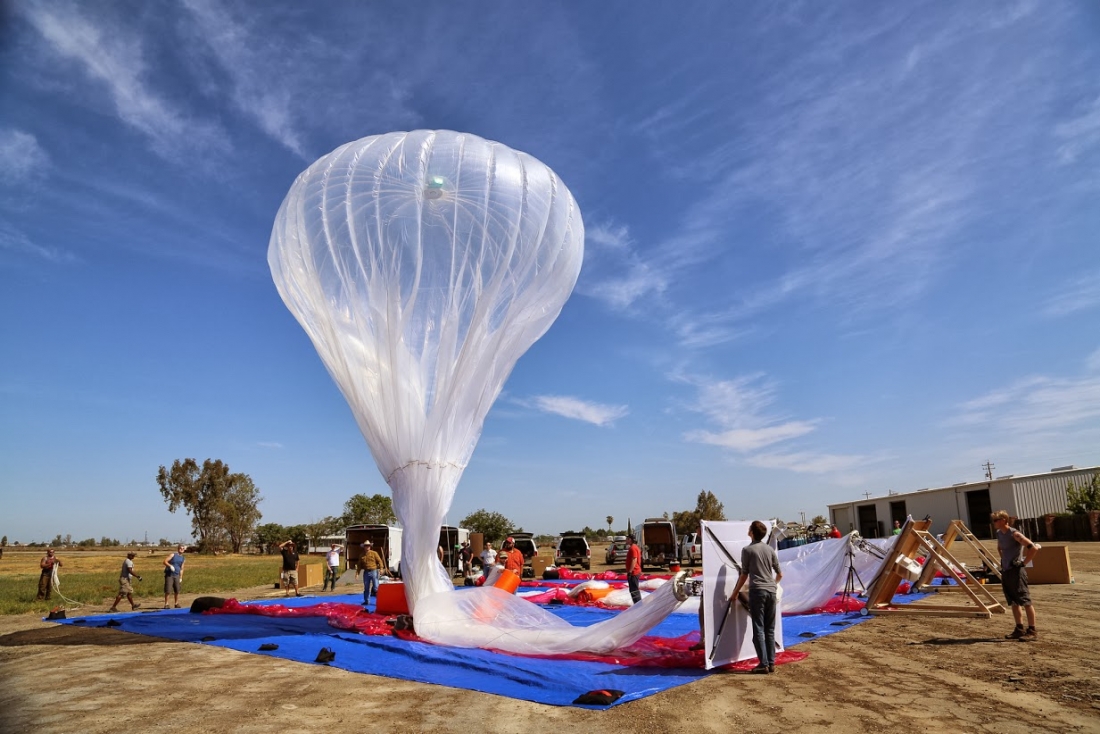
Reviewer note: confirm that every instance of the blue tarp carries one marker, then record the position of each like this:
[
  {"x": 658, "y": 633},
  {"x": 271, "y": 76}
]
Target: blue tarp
[{"x": 555, "y": 682}]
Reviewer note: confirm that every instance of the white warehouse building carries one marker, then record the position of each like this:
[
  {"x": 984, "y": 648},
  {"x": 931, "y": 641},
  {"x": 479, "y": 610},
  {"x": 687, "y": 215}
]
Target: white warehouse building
[{"x": 1028, "y": 496}]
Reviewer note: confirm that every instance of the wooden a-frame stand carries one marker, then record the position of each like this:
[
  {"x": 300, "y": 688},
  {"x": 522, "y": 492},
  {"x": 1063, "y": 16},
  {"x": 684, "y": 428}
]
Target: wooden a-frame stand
[
  {"x": 956, "y": 529},
  {"x": 915, "y": 540}
]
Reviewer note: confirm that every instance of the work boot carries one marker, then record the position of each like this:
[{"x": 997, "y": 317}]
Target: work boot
[
  {"x": 1030, "y": 635},
  {"x": 1016, "y": 633},
  {"x": 137, "y": 605}
]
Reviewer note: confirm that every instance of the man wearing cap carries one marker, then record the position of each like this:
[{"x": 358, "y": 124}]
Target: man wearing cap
[
  {"x": 513, "y": 557},
  {"x": 125, "y": 589},
  {"x": 372, "y": 565},
  {"x": 290, "y": 566},
  {"x": 465, "y": 556}
]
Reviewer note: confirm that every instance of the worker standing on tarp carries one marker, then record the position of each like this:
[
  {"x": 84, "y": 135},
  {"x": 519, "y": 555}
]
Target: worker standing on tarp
[
  {"x": 372, "y": 565},
  {"x": 760, "y": 567},
  {"x": 633, "y": 569}
]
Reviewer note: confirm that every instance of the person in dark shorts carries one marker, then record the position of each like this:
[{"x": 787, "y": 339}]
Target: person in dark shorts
[
  {"x": 290, "y": 566},
  {"x": 173, "y": 576},
  {"x": 633, "y": 568},
  {"x": 1016, "y": 552}
]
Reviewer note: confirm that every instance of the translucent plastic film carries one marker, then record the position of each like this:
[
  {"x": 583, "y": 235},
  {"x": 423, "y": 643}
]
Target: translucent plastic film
[{"x": 422, "y": 265}]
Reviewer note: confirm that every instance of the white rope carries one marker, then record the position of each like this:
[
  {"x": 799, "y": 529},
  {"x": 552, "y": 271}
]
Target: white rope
[{"x": 56, "y": 581}]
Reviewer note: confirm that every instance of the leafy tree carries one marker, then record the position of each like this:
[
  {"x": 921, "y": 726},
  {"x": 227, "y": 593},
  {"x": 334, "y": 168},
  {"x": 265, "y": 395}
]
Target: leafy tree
[
  {"x": 707, "y": 507},
  {"x": 609, "y": 521},
  {"x": 86, "y": 543},
  {"x": 819, "y": 520},
  {"x": 1080, "y": 500},
  {"x": 199, "y": 491},
  {"x": 326, "y": 526},
  {"x": 265, "y": 537},
  {"x": 238, "y": 510},
  {"x": 493, "y": 525},
  {"x": 4, "y": 542},
  {"x": 363, "y": 510}
]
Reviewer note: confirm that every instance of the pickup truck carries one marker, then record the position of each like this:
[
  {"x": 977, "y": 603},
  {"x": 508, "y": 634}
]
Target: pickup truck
[{"x": 573, "y": 550}]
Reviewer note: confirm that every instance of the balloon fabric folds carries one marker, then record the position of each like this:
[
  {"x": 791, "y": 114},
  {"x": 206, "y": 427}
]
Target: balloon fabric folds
[{"x": 422, "y": 265}]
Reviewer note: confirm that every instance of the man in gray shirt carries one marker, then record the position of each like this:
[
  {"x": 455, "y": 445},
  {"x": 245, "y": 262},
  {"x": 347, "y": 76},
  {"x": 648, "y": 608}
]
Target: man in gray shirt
[{"x": 760, "y": 567}]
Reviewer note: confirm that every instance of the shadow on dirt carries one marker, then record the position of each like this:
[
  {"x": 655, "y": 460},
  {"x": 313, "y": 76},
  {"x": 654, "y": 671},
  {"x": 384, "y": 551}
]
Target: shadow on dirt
[
  {"x": 961, "y": 641},
  {"x": 66, "y": 634}
]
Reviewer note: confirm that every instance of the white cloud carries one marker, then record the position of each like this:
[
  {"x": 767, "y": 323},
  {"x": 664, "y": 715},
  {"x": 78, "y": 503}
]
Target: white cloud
[
  {"x": 269, "y": 444},
  {"x": 113, "y": 55},
  {"x": 597, "y": 414},
  {"x": 751, "y": 439},
  {"x": 1079, "y": 134},
  {"x": 1079, "y": 294},
  {"x": 614, "y": 272},
  {"x": 21, "y": 157},
  {"x": 14, "y": 241},
  {"x": 807, "y": 462},
  {"x": 1035, "y": 405},
  {"x": 741, "y": 408},
  {"x": 1093, "y": 361},
  {"x": 249, "y": 63}
]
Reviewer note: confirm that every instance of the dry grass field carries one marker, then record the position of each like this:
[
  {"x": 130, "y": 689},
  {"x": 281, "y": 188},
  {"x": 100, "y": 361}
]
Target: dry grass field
[{"x": 928, "y": 674}]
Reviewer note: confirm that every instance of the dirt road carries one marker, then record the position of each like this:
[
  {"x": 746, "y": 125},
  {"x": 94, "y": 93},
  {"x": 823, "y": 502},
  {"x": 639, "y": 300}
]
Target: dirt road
[{"x": 937, "y": 674}]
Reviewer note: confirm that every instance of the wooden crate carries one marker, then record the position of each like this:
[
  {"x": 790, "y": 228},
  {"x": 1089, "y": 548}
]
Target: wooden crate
[{"x": 1050, "y": 566}]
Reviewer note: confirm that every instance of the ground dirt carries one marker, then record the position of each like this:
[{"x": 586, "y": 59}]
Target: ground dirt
[{"x": 891, "y": 673}]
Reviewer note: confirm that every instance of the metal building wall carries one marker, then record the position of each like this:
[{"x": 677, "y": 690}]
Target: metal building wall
[{"x": 1045, "y": 494}]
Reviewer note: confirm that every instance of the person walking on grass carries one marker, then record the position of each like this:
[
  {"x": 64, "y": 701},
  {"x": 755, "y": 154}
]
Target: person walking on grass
[
  {"x": 125, "y": 588},
  {"x": 290, "y": 566},
  {"x": 1011, "y": 544},
  {"x": 760, "y": 568},
  {"x": 173, "y": 576},
  {"x": 45, "y": 580}
]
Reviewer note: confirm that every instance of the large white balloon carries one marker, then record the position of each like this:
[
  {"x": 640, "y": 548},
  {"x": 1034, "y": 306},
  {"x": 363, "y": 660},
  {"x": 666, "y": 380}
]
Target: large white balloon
[{"x": 422, "y": 265}]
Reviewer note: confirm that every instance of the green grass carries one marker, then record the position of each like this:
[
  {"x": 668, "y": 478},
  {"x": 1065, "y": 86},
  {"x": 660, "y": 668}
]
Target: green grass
[{"x": 86, "y": 581}]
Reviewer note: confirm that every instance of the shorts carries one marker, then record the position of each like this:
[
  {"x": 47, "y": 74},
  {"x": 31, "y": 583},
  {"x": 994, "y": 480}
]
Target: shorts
[
  {"x": 171, "y": 583},
  {"x": 124, "y": 586},
  {"x": 1014, "y": 585},
  {"x": 291, "y": 577}
]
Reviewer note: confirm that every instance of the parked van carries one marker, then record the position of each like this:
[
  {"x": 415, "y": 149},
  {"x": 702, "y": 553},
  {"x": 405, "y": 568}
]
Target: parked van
[
  {"x": 657, "y": 538},
  {"x": 573, "y": 550},
  {"x": 385, "y": 541}
]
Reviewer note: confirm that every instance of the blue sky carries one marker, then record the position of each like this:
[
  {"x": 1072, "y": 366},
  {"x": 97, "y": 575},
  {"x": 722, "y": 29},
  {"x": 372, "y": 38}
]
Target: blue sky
[{"x": 830, "y": 249}]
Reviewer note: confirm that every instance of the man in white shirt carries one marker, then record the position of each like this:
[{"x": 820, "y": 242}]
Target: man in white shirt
[
  {"x": 488, "y": 559},
  {"x": 332, "y": 567}
]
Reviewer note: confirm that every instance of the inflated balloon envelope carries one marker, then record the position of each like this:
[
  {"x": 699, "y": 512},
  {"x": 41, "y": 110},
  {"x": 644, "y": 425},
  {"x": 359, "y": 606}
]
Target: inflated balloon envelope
[{"x": 422, "y": 265}]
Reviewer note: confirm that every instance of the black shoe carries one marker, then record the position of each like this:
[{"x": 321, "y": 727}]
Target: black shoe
[
  {"x": 771, "y": 668},
  {"x": 760, "y": 669}
]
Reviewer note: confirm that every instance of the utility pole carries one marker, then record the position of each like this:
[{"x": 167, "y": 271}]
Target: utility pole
[
  {"x": 867, "y": 495},
  {"x": 988, "y": 470}
]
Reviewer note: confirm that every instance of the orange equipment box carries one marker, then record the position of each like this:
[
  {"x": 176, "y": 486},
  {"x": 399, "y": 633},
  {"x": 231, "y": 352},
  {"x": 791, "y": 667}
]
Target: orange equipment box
[{"x": 391, "y": 599}]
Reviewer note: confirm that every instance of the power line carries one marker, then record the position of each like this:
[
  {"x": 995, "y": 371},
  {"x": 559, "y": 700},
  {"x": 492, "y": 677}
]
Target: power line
[{"x": 988, "y": 470}]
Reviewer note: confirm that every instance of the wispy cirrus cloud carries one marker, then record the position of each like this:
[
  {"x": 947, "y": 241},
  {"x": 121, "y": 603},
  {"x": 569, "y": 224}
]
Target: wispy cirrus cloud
[
  {"x": 614, "y": 272},
  {"x": 1079, "y": 134},
  {"x": 248, "y": 62},
  {"x": 1034, "y": 405},
  {"x": 113, "y": 55},
  {"x": 15, "y": 242},
  {"x": 598, "y": 414},
  {"x": 21, "y": 156},
  {"x": 741, "y": 408},
  {"x": 1079, "y": 294}
]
